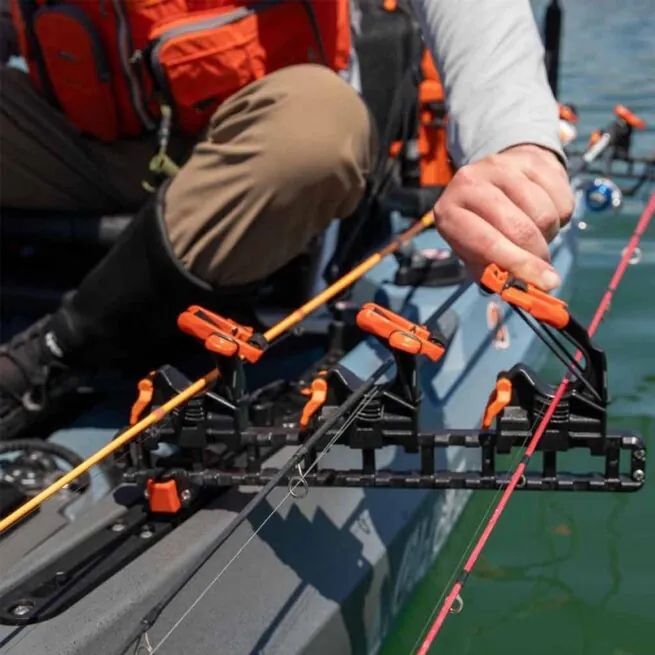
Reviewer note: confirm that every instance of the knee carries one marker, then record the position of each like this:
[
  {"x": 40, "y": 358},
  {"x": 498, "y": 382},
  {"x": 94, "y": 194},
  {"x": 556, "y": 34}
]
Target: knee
[{"x": 314, "y": 130}]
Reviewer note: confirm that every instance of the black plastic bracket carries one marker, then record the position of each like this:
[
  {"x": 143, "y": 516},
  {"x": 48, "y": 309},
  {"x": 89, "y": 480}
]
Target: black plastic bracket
[
  {"x": 56, "y": 587},
  {"x": 428, "y": 268}
]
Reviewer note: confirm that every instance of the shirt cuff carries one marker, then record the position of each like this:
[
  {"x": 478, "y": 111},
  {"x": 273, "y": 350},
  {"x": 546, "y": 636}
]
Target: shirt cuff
[{"x": 515, "y": 135}]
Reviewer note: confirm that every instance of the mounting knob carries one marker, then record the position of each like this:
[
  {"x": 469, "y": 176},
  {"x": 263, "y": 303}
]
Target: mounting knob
[{"x": 433, "y": 267}]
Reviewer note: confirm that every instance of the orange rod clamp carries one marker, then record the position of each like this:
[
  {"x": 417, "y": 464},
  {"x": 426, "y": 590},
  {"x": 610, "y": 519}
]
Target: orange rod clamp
[
  {"x": 538, "y": 303},
  {"x": 317, "y": 393},
  {"x": 567, "y": 114},
  {"x": 629, "y": 117},
  {"x": 220, "y": 335},
  {"x": 400, "y": 333},
  {"x": 500, "y": 397}
]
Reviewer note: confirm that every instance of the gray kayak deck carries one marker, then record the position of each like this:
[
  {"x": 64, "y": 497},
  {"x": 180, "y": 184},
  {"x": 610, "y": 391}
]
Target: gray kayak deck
[{"x": 327, "y": 573}]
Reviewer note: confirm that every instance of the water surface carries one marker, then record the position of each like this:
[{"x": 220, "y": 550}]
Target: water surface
[{"x": 564, "y": 573}]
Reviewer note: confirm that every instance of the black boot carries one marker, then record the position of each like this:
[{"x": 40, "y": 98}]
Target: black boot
[{"x": 125, "y": 307}]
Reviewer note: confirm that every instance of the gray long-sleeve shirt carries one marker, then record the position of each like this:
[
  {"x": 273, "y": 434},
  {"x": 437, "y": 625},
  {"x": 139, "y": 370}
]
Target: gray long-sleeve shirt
[{"x": 491, "y": 62}]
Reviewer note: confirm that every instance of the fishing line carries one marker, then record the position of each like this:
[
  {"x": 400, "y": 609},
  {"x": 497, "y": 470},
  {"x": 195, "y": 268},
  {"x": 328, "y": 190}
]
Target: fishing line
[
  {"x": 496, "y": 494},
  {"x": 364, "y": 398},
  {"x": 512, "y": 463},
  {"x": 572, "y": 365},
  {"x": 642, "y": 224}
]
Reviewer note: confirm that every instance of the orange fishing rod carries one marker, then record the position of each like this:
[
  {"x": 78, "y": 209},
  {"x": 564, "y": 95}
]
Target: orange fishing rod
[{"x": 199, "y": 385}]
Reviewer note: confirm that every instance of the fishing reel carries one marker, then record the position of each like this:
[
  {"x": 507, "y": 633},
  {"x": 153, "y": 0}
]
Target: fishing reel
[
  {"x": 27, "y": 466},
  {"x": 609, "y": 147},
  {"x": 603, "y": 194}
]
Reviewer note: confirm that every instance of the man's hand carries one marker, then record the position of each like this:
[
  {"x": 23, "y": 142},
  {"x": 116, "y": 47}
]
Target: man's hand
[{"x": 504, "y": 209}]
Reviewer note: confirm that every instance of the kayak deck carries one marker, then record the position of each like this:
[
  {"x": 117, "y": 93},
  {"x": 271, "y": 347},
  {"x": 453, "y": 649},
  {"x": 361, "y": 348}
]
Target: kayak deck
[{"x": 327, "y": 573}]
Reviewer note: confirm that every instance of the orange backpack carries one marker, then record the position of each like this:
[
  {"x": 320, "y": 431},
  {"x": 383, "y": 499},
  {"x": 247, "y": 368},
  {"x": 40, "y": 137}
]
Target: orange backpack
[{"x": 111, "y": 64}]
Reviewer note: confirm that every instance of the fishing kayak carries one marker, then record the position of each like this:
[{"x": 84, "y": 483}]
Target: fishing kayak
[
  {"x": 327, "y": 573},
  {"x": 324, "y": 571}
]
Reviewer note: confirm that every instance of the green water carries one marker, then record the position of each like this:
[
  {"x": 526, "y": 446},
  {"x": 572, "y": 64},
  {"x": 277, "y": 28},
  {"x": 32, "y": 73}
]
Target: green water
[{"x": 563, "y": 573}]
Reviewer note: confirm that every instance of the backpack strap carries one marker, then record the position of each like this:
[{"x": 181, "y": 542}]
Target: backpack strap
[{"x": 161, "y": 166}]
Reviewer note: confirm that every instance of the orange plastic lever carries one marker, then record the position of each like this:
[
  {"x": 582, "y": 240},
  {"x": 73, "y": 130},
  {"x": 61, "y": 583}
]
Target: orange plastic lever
[
  {"x": 399, "y": 332},
  {"x": 526, "y": 296},
  {"x": 146, "y": 389},
  {"x": 317, "y": 393},
  {"x": 567, "y": 114},
  {"x": 163, "y": 497},
  {"x": 629, "y": 117},
  {"x": 220, "y": 335},
  {"x": 500, "y": 397}
]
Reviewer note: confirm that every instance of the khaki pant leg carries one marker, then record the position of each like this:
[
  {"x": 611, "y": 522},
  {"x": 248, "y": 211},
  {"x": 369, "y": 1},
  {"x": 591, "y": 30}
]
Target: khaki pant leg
[
  {"x": 283, "y": 157},
  {"x": 45, "y": 163}
]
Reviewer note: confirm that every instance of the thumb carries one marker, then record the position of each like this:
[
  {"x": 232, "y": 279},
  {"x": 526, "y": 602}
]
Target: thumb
[
  {"x": 523, "y": 264},
  {"x": 483, "y": 244}
]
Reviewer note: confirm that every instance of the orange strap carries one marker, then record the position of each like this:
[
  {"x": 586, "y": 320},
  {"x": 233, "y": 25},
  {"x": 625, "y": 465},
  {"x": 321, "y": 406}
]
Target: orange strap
[
  {"x": 499, "y": 399},
  {"x": 538, "y": 303},
  {"x": 594, "y": 138}
]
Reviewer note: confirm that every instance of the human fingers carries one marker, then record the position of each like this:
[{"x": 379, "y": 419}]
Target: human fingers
[
  {"x": 497, "y": 208},
  {"x": 544, "y": 169},
  {"x": 530, "y": 198},
  {"x": 478, "y": 244}
]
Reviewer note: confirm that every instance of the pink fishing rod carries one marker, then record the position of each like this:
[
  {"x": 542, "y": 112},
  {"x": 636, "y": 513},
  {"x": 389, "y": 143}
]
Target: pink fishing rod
[{"x": 641, "y": 227}]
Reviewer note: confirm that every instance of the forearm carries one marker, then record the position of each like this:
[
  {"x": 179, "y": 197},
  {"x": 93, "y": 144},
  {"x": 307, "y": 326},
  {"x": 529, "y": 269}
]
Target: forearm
[{"x": 490, "y": 59}]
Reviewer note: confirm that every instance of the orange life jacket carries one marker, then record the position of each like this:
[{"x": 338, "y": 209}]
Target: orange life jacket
[
  {"x": 436, "y": 166},
  {"x": 428, "y": 158},
  {"x": 111, "y": 64}
]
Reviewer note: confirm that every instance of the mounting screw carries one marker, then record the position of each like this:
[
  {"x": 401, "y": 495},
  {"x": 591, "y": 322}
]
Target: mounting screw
[
  {"x": 22, "y": 609},
  {"x": 185, "y": 496},
  {"x": 146, "y": 533},
  {"x": 638, "y": 476},
  {"x": 146, "y": 494},
  {"x": 118, "y": 527},
  {"x": 640, "y": 454}
]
